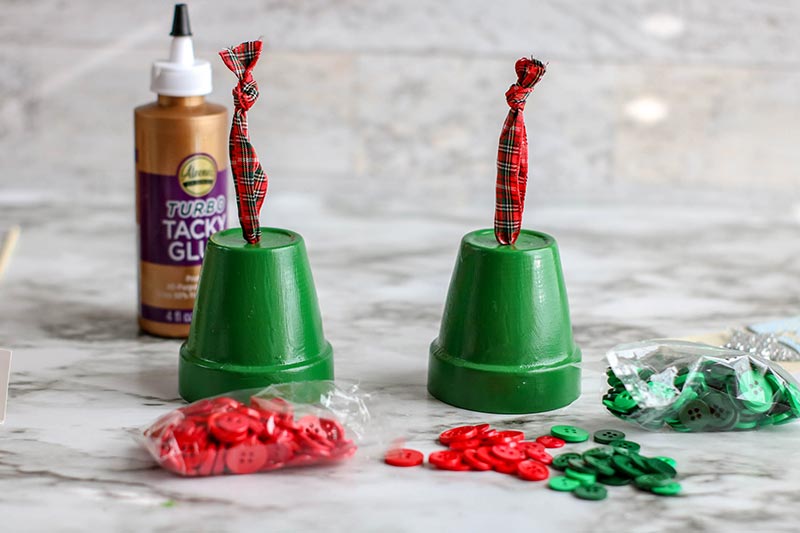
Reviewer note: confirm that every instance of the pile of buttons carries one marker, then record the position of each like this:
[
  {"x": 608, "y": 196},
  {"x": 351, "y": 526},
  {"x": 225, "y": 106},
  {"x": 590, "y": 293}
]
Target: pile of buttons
[
  {"x": 224, "y": 436},
  {"x": 713, "y": 395},
  {"x": 482, "y": 448}
]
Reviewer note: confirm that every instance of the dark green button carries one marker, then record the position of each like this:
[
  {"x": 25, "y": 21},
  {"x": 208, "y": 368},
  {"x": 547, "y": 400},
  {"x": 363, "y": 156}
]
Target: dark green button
[
  {"x": 569, "y": 433},
  {"x": 591, "y": 492},
  {"x": 626, "y": 445},
  {"x": 614, "y": 481},
  {"x": 648, "y": 481},
  {"x": 624, "y": 466},
  {"x": 659, "y": 466},
  {"x": 601, "y": 466},
  {"x": 561, "y": 462},
  {"x": 604, "y": 436},
  {"x": 601, "y": 452},
  {"x": 722, "y": 411},
  {"x": 563, "y": 483},
  {"x": 579, "y": 465},
  {"x": 695, "y": 415}
]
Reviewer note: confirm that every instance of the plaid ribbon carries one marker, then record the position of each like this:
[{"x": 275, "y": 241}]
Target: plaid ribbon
[
  {"x": 512, "y": 154},
  {"x": 249, "y": 177}
]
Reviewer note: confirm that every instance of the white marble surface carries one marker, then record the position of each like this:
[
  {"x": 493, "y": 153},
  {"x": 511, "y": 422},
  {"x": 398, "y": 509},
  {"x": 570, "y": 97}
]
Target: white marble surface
[{"x": 637, "y": 266}]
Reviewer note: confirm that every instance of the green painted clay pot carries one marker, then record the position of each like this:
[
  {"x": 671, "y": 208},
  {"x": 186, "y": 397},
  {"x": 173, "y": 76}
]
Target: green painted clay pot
[
  {"x": 256, "y": 318},
  {"x": 505, "y": 343}
]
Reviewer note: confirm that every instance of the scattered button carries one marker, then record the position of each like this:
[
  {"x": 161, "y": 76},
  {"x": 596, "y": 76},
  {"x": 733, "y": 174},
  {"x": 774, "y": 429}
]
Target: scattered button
[
  {"x": 548, "y": 441},
  {"x": 605, "y": 436},
  {"x": 563, "y": 484},
  {"x": 404, "y": 457},
  {"x": 590, "y": 492},
  {"x": 570, "y": 433}
]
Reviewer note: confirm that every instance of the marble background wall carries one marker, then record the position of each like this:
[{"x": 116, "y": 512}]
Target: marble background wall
[{"x": 404, "y": 98}]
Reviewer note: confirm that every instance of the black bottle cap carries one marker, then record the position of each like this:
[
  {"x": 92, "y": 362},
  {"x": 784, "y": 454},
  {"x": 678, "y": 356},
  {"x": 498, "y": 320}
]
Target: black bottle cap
[{"x": 180, "y": 21}]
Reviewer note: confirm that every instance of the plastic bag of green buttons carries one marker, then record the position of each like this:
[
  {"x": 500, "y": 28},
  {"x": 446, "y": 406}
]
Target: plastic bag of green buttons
[{"x": 696, "y": 387}]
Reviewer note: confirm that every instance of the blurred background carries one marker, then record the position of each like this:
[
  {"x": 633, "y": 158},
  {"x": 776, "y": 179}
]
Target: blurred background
[{"x": 377, "y": 102}]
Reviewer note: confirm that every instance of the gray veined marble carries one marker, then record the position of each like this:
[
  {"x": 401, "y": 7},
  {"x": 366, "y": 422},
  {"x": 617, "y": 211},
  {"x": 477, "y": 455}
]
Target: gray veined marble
[{"x": 82, "y": 374}]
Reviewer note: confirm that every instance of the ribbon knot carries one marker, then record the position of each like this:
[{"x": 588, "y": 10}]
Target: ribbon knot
[
  {"x": 248, "y": 175},
  {"x": 512, "y": 154},
  {"x": 516, "y": 96},
  {"x": 245, "y": 93}
]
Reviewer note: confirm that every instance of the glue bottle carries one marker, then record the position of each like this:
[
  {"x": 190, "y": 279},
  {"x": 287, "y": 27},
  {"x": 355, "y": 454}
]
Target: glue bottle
[{"x": 181, "y": 183}]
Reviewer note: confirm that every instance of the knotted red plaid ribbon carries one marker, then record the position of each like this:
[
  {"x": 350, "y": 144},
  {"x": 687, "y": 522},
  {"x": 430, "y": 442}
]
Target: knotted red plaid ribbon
[
  {"x": 512, "y": 154},
  {"x": 249, "y": 177}
]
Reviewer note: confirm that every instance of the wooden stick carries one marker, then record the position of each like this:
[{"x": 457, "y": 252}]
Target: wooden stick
[{"x": 9, "y": 243}]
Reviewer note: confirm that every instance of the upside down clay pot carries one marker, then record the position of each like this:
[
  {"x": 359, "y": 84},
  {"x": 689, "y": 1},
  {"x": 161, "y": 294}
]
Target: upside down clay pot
[
  {"x": 256, "y": 319},
  {"x": 505, "y": 343}
]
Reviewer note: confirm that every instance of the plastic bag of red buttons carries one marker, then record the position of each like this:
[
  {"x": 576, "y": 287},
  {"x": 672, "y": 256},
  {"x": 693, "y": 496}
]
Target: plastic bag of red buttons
[
  {"x": 691, "y": 387},
  {"x": 260, "y": 430}
]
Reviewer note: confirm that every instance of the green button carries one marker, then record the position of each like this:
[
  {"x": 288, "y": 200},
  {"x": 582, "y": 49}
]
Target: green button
[
  {"x": 723, "y": 414},
  {"x": 591, "y": 492},
  {"x": 604, "y": 436},
  {"x": 584, "y": 478},
  {"x": 569, "y": 433},
  {"x": 601, "y": 452},
  {"x": 671, "y": 489},
  {"x": 695, "y": 415},
  {"x": 561, "y": 462},
  {"x": 579, "y": 465},
  {"x": 794, "y": 398},
  {"x": 601, "y": 466},
  {"x": 659, "y": 466},
  {"x": 625, "y": 467},
  {"x": 648, "y": 481},
  {"x": 638, "y": 461},
  {"x": 626, "y": 445},
  {"x": 563, "y": 483},
  {"x": 669, "y": 460},
  {"x": 663, "y": 392},
  {"x": 614, "y": 481},
  {"x": 624, "y": 401},
  {"x": 746, "y": 424},
  {"x": 754, "y": 392}
]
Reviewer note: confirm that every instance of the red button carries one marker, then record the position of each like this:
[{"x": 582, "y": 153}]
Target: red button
[
  {"x": 504, "y": 437},
  {"x": 246, "y": 458},
  {"x": 532, "y": 470},
  {"x": 332, "y": 428},
  {"x": 484, "y": 453},
  {"x": 206, "y": 468},
  {"x": 444, "y": 458},
  {"x": 505, "y": 468},
  {"x": 528, "y": 445},
  {"x": 404, "y": 457},
  {"x": 229, "y": 426},
  {"x": 541, "y": 456},
  {"x": 459, "y": 433},
  {"x": 548, "y": 441},
  {"x": 465, "y": 444},
  {"x": 507, "y": 453},
  {"x": 471, "y": 458}
]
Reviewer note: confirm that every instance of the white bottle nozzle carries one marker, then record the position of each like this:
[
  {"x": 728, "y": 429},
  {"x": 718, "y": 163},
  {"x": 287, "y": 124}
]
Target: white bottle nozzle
[{"x": 182, "y": 74}]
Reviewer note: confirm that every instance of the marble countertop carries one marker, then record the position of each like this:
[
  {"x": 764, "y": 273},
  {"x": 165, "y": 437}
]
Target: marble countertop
[{"x": 636, "y": 267}]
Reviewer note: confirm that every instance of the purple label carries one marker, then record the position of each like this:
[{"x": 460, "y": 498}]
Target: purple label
[
  {"x": 157, "y": 314},
  {"x": 179, "y": 213}
]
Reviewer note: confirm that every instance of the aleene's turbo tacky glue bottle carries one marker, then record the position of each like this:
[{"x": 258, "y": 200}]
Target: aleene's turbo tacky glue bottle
[{"x": 181, "y": 183}]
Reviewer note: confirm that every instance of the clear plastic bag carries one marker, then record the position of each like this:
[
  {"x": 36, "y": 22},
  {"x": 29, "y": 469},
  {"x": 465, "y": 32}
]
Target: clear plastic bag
[
  {"x": 697, "y": 387},
  {"x": 259, "y": 430}
]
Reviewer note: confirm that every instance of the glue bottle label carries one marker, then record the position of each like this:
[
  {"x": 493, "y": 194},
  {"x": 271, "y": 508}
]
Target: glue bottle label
[{"x": 177, "y": 215}]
